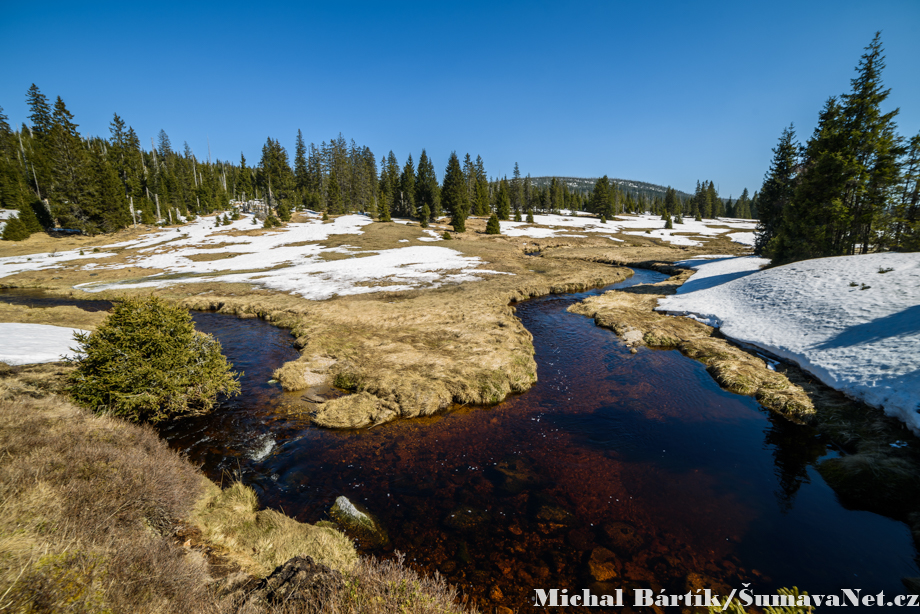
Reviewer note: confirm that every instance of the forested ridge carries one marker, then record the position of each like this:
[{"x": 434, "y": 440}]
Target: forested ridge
[{"x": 60, "y": 180}]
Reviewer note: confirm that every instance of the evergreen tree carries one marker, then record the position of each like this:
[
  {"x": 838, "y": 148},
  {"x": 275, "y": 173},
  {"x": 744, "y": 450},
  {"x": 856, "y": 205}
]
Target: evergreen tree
[
  {"x": 407, "y": 190},
  {"x": 453, "y": 194},
  {"x": 424, "y": 215},
  {"x": 481, "y": 202},
  {"x": 15, "y": 230},
  {"x": 777, "y": 190},
  {"x": 599, "y": 202},
  {"x": 492, "y": 226},
  {"x": 904, "y": 223},
  {"x": 244, "y": 181},
  {"x": 850, "y": 173},
  {"x": 426, "y": 187},
  {"x": 517, "y": 191},
  {"x": 670, "y": 203},
  {"x": 40, "y": 112},
  {"x": 334, "y": 204},
  {"x": 301, "y": 176},
  {"x": 28, "y": 216},
  {"x": 503, "y": 201}
]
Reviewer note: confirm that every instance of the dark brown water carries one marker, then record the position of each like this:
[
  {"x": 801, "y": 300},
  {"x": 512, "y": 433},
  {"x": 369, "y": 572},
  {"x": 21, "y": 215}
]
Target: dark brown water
[{"x": 643, "y": 455}]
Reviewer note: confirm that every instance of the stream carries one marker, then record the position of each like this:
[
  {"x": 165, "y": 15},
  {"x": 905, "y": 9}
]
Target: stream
[{"x": 636, "y": 468}]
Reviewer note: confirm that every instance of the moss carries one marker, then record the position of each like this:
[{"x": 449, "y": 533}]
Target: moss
[{"x": 346, "y": 381}]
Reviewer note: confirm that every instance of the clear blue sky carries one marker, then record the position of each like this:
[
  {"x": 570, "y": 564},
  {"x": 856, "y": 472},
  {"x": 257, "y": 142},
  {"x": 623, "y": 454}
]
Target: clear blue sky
[{"x": 666, "y": 92}]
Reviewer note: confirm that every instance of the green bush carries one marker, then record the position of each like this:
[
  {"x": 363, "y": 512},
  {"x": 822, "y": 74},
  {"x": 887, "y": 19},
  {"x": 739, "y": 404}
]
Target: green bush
[{"x": 147, "y": 362}]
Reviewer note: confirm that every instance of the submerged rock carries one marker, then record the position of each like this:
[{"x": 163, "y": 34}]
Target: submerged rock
[
  {"x": 623, "y": 537},
  {"x": 467, "y": 518},
  {"x": 552, "y": 518},
  {"x": 359, "y": 523},
  {"x": 602, "y": 565},
  {"x": 517, "y": 475}
]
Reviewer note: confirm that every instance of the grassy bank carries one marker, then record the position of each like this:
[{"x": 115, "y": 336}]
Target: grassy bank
[{"x": 98, "y": 515}]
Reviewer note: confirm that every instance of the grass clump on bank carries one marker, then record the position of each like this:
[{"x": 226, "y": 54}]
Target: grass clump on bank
[
  {"x": 147, "y": 362},
  {"x": 260, "y": 540}
]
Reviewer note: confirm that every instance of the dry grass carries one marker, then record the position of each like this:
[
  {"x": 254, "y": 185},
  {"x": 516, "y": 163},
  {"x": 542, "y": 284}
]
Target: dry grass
[
  {"x": 87, "y": 505},
  {"x": 73, "y": 317}
]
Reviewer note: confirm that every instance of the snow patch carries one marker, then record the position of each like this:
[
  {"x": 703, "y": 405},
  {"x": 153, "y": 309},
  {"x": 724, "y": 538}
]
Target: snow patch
[
  {"x": 23, "y": 344},
  {"x": 851, "y": 321}
]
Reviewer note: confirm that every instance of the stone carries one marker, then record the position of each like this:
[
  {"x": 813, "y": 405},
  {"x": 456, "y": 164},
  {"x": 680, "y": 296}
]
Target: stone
[
  {"x": 300, "y": 580},
  {"x": 467, "y": 518},
  {"x": 551, "y": 518},
  {"x": 355, "y": 520},
  {"x": 602, "y": 566},
  {"x": 623, "y": 537}
]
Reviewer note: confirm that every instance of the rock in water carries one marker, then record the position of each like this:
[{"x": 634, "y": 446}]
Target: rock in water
[
  {"x": 602, "y": 565},
  {"x": 359, "y": 523}
]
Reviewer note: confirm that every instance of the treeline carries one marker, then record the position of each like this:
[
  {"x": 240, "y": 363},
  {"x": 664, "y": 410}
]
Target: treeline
[
  {"x": 852, "y": 188},
  {"x": 607, "y": 199},
  {"x": 58, "y": 179}
]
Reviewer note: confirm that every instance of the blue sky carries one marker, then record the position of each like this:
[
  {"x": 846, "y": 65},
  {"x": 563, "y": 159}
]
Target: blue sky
[{"x": 666, "y": 92}]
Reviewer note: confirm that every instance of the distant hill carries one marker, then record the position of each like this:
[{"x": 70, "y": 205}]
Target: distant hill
[{"x": 586, "y": 184}]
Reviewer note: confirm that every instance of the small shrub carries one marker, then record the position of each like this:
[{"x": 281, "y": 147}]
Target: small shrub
[
  {"x": 147, "y": 362},
  {"x": 603, "y": 219},
  {"x": 325, "y": 216},
  {"x": 884, "y": 270},
  {"x": 529, "y": 216},
  {"x": 446, "y": 236}
]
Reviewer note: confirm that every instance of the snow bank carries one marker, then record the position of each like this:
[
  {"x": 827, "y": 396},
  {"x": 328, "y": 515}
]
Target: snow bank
[
  {"x": 852, "y": 321},
  {"x": 23, "y": 344}
]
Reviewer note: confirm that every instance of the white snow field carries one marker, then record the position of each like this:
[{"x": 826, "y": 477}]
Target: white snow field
[
  {"x": 547, "y": 226},
  {"x": 852, "y": 321},
  {"x": 288, "y": 259},
  {"x": 24, "y": 344}
]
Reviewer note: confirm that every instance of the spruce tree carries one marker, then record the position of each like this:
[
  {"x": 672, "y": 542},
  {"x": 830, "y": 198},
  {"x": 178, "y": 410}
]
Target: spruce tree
[
  {"x": 424, "y": 214},
  {"x": 406, "y": 190},
  {"x": 426, "y": 186},
  {"x": 503, "y": 201},
  {"x": 453, "y": 194},
  {"x": 493, "y": 227},
  {"x": 777, "y": 190},
  {"x": 301, "y": 177},
  {"x": 600, "y": 200},
  {"x": 15, "y": 230}
]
